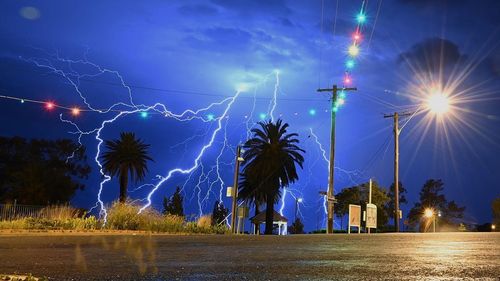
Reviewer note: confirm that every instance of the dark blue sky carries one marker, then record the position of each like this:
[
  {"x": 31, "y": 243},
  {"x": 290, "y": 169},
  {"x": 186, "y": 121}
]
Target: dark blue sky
[{"x": 188, "y": 54}]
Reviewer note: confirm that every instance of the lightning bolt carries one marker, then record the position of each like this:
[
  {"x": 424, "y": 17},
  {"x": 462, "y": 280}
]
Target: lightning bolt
[
  {"x": 52, "y": 64},
  {"x": 196, "y": 161}
]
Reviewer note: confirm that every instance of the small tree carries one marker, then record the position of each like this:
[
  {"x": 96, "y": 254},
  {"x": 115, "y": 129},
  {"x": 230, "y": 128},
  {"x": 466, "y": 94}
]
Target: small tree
[
  {"x": 219, "y": 213},
  {"x": 431, "y": 197},
  {"x": 402, "y": 199},
  {"x": 174, "y": 204},
  {"x": 495, "y": 207},
  {"x": 297, "y": 227}
]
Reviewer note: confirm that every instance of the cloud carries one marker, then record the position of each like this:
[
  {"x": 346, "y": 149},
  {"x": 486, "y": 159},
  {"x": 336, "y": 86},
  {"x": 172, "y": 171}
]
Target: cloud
[
  {"x": 246, "y": 7},
  {"x": 432, "y": 54},
  {"x": 198, "y": 10},
  {"x": 440, "y": 3}
]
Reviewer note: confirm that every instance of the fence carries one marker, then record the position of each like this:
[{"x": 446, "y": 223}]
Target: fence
[{"x": 15, "y": 211}]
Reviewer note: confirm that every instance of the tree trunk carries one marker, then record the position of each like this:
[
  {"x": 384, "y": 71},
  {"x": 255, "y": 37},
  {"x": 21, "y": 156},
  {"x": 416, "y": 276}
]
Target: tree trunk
[
  {"x": 257, "y": 226},
  {"x": 123, "y": 185},
  {"x": 269, "y": 214}
]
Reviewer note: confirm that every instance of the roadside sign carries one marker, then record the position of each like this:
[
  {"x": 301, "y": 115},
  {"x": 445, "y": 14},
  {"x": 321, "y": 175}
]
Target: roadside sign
[
  {"x": 354, "y": 217},
  {"x": 243, "y": 212},
  {"x": 371, "y": 216}
]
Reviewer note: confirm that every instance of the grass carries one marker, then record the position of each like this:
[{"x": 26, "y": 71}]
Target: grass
[{"x": 120, "y": 217}]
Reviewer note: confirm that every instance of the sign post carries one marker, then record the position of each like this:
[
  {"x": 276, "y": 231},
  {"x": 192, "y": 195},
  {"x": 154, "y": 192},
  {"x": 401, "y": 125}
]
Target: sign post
[{"x": 354, "y": 217}]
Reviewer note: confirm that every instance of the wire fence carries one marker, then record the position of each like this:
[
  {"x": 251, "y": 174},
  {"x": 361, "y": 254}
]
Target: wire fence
[{"x": 9, "y": 212}]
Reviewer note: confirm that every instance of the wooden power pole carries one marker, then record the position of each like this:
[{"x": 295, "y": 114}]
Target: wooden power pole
[
  {"x": 234, "y": 191},
  {"x": 397, "y": 131},
  {"x": 330, "y": 193}
]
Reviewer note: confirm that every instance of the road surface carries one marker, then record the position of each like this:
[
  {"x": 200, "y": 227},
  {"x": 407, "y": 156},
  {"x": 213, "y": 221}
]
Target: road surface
[{"x": 440, "y": 256}]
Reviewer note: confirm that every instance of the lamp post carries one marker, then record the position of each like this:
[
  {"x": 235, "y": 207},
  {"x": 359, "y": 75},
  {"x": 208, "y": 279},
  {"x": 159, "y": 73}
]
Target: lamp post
[
  {"x": 437, "y": 104},
  {"x": 234, "y": 191},
  {"x": 297, "y": 201},
  {"x": 429, "y": 213}
]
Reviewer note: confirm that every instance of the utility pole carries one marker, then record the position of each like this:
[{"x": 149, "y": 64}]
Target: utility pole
[
  {"x": 234, "y": 192},
  {"x": 369, "y": 201},
  {"x": 330, "y": 194},
  {"x": 397, "y": 131}
]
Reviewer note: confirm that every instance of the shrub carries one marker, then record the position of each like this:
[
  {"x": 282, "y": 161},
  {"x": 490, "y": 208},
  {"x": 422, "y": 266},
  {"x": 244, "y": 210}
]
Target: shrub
[
  {"x": 124, "y": 217},
  {"x": 204, "y": 221}
]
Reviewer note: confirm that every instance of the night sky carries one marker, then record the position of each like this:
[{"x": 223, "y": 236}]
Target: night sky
[{"x": 189, "y": 54}]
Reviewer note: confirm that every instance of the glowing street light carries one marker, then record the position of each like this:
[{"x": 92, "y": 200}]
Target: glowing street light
[
  {"x": 438, "y": 103},
  {"x": 430, "y": 214},
  {"x": 297, "y": 201}
]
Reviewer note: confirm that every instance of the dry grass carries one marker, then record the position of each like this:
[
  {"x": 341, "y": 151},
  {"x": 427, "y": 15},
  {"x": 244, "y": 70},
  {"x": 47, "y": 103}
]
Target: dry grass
[{"x": 120, "y": 217}]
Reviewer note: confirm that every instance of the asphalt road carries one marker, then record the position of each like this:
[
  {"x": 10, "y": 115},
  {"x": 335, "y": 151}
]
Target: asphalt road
[{"x": 440, "y": 256}]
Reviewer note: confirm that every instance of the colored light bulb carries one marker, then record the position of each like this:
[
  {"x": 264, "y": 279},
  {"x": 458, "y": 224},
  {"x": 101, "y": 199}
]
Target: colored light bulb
[
  {"x": 349, "y": 64},
  {"x": 75, "y": 111},
  {"x": 361, "y": 18},
  {"x": 353, "y": 50}
]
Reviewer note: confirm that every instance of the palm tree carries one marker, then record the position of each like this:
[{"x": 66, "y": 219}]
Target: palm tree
[
  {"x": 250, "y": 192},
  {"x": 125, "y": 156},
  {"x": 270, "y": 158}
]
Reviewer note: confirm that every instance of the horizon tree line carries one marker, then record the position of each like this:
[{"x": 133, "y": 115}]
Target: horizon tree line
[{"x": 271, "y": 155}]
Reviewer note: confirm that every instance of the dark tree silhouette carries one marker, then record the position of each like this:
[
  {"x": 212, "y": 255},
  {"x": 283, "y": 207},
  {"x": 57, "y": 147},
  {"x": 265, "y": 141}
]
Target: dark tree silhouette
[
  {"x": 219, "y": 213},
  {"x": 358, "y": 195},
  {"x": 495, "y": 208},
  {"x": 297, "y": 227},
  {"x": 271, "y": 157},
  {"x": 431, "y": 197},
  {"x": 174, "y": 204},
  {"x": 402, "y": 199},
  {"x": 126, "y": 156},
  {"x": 37, "y": 172},
  {"x": 250, "y": 192}
]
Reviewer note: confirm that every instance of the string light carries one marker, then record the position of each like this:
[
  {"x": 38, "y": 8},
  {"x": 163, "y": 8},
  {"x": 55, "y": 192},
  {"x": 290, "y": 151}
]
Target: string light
[
  {"x": 49, "y": 105},
  {"x": 356, "y": 36},
  {"x": 312, "y": 111},
  {"x": 210, "y": 117},
  {"x": 347, "y": 79},
  {"x": 349, "y": 64},
  {"x": 75, "y": 111},
  {"x": 361, "y": 18},
  {"x": 353, "y": 50},
  {"x": 144, "y": 114}
]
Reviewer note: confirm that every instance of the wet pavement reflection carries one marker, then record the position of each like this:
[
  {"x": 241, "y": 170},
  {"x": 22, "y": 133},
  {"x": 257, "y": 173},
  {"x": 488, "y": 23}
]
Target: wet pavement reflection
[{"x": 441, "y": 256}]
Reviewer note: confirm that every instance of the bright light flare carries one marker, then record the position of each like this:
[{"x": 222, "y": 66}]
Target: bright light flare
[
  {"x": 438, "y": 103},
  {"x": 428, "y": 213}
]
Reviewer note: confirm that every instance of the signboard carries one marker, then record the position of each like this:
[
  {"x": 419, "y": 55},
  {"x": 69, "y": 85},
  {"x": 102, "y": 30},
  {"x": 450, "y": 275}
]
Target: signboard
[
  {"x": 371, "y": 216},
  {"x": 242, "y": 212},
  {"x": 354, "y": 217}
]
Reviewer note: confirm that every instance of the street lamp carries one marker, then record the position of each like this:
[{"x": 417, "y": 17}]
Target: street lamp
[
  {"x": 429, "y": 213},
  {"x": 234, "y": 189},
  {"x": 437, "y": 103},
  {"x": 493, "y": 227},
  {"x": 297, "y": 201}
]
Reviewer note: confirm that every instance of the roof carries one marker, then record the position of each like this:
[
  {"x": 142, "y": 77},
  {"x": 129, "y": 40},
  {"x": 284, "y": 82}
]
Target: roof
[{"x": 261, "y": 217}]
